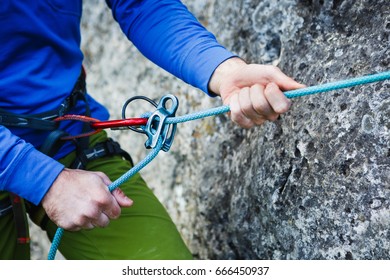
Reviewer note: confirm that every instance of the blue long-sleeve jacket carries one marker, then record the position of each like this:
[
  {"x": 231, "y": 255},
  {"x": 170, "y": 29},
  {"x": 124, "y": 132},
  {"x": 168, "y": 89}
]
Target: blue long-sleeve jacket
[{"x": 40, "y": 60}]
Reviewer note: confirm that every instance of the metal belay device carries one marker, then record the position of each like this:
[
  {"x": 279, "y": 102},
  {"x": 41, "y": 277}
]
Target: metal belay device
[{"x": 157, "y": 126}]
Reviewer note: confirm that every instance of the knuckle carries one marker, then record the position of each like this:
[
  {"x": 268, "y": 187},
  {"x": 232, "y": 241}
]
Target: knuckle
[
  {"x": 93, "y": 179},
  {"x": 259, "y": 122},
  {"x": 257, "y": 87},
  {"x": 116, "y": 212},
  {"x": 113, "y": 213},
  {"x": 246, "y": 107},
  {"x": 243, "y": 122},
  {"x": 248, "y": 125},
  {"x": 80, "y": 221},
  {"x": 92, "y": 212},
  {"x": 282, "y": 107},
  {"x": 103, "y": 201},
  {"x": 273, "y": 117},
  {"x": 236, "y": 117},
  {"x": 262, "y": 108},
  {"x": 106, "y": 223},
  {"x": 269, "y": 91},
  {"x": 66, "y": 225}
]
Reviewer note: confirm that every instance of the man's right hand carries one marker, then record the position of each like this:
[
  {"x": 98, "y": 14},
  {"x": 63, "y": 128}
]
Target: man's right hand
[{"x": 80, "y": 199}]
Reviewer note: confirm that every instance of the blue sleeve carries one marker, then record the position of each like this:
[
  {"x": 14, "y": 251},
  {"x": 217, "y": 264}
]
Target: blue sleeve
[
  {"x": 24, "y": 170},
  {"x": 170, "y": 36}
]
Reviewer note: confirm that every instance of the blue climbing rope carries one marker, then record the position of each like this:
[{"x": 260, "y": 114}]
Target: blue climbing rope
[
  {"x": 221, "y": 110},
  {"x": 289, "y": 94},
  {"x": 338, "y": 85}
]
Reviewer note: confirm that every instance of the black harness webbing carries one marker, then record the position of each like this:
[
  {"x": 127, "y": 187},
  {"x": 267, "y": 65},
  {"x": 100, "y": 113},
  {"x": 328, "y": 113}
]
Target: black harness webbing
[
  {"x": 5, "y": 207},
  {"x": 27, "y": 121},
  {"x": 103, "y": 149}
]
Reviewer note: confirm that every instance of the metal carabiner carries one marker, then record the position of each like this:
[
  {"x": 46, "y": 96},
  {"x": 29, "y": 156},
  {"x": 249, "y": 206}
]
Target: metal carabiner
[{"x": 156, "y": 126}]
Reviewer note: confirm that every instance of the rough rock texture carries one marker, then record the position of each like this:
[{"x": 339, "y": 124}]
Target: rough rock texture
[{"x": 315, "y": 184}]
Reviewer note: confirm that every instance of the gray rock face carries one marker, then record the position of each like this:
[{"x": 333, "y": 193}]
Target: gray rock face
[{"x": 315, "y": 184}]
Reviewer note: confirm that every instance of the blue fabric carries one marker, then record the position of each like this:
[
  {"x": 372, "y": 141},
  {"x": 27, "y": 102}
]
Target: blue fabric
[
  {"x": 169, "y": 35},
  {"x": 23, "y": 168},
  {"x": 41, "y": 59}
]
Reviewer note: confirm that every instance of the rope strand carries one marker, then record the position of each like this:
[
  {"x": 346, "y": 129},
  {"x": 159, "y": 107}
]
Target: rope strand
[{"x": 338, "y": 85}]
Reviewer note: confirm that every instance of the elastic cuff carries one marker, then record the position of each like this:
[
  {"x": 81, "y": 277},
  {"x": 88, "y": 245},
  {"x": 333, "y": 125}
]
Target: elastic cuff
[{"x": 206, "y": 67}]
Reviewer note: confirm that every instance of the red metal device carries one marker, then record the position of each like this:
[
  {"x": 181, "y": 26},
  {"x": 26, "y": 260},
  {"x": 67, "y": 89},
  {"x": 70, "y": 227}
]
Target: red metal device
[
  {"x": 119, "y": 123},
  {"x": 98, "y": 125}
]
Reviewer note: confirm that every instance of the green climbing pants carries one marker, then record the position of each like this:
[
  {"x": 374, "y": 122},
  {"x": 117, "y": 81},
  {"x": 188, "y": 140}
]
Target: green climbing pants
[{"x": 143, "y": 231}]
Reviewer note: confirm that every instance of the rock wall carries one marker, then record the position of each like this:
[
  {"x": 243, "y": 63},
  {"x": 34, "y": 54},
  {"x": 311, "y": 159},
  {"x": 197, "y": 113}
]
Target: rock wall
[{"x": 315, "y": 184}]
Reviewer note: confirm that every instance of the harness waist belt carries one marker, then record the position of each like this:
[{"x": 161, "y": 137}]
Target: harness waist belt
[{"x": 44, "y": 121}]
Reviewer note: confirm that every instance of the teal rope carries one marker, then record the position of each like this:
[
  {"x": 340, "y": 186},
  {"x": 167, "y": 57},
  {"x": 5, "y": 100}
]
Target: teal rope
[
  {"x": 221, "y": 110},
  {"x": 290, "y": 94},
  {"x": 338, "y": 85},
  {"x": 199, "y": 115}
]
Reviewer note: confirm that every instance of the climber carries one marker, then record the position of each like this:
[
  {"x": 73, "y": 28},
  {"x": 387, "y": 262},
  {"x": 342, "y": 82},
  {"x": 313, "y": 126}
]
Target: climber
[{"x": 41, "y": 77}]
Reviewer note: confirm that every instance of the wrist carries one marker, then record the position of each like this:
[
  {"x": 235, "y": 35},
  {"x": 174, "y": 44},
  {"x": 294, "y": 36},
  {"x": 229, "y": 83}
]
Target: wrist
[{"x": 223, "y": 71}]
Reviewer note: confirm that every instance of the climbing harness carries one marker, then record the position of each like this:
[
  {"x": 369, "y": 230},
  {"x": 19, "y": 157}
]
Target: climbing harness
[
  {"x": 44, "y": 121},
  {"x": 160, "y": 126},
  {"x": 107, "y": 148}
]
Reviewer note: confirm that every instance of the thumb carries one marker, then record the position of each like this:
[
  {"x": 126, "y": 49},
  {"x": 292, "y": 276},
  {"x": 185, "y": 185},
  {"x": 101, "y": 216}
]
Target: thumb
[
  {"x": 285, "y": 82},
  {"x": 104, "y": 178},
  {"x": 121, "y": 198}
]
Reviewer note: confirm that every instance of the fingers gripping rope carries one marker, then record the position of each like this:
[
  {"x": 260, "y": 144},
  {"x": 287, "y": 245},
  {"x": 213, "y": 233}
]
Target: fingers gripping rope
[
  {"x": 60, "y": 231},
  {"x": 291, "y": 94},
  {"x": 159, "y": 129}
]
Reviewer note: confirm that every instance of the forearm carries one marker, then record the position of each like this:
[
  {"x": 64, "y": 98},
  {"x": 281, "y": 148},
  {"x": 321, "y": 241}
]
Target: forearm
[
  {"x": 226, "y": 70},
  {"x": 24, "y": 170},
  {"x": 169, "y": 35}
]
